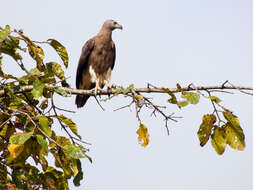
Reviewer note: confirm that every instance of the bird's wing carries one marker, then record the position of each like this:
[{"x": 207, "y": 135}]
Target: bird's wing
[
  {"x": 83, "y": 61},
  {"x": 113, "y": 54}
]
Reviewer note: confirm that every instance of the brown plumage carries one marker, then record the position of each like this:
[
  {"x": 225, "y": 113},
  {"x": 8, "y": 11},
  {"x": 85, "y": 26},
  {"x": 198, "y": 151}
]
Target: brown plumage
[{"x": 96, "y": 62}]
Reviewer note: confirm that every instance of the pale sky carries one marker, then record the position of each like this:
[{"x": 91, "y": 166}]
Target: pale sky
[{"x": 163, "y": 43}]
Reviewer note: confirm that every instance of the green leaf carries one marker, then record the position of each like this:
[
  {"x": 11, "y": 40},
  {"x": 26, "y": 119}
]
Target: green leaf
[
  {"x": 192, "y": 97},
  {"x": 128, "y": 89},
  {"x": 79, "y": 175},
  {"x": 42, "y": 142},
  {"x": 54, "y": 68},
  {"x": 70, "y": 124},
  {"x": 182, "y": 103},
  {"x": 215, "y": 99},
  {"x": 37, "y": 89},
  {"x": 36, "y": 52},
  {"x": 61, "y": 50},
  {"x": 55, "y": 179},
  {"x": 44, "y": 124},
  {"x": 5, "y": 33},
  {"x": 10, "y": 46},
  {"x": 23, "y": 80},
  {"x": 61, "y": 91},
  {"x": 173, "y": 99},
  {"x": 89, "y": 158},
  {"x": 205, "y": 128},
  {"x": 143, "y": 137},
  {"x": 74, "y": 151},
  {"x": 20, "y": 138},
  {"x": 44, "y": 104},
  {"x": 35, "y": 71},
  {"x": 2, "y": 187},
  {"x": 219, "y": 142},
  {"x": 179, "y": 87}
]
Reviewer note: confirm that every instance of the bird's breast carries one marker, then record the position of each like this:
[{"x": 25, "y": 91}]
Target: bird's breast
[{"x": 93, "y": 75}]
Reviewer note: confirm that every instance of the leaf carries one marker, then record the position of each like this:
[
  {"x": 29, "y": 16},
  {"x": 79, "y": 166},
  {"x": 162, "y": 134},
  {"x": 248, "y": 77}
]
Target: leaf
[
  {"x": 55, "y": 179},
  {"x": 79, "y": 175},
  {"x": 61, "y": 91},
  {"x": 63, "y": 141},
  {"x": 128, "y": 89},
  {"x": 89, "y": 158},
  {"x": 15, "y": 149},
  {"x": 9, "y": 46},
  {"x": 192, "y": 97},
  {"x": 35, "y": 51},
  {"x": 219, "y": 142},
  {"x": 44, "y": 124},
  {"x": 173, "y": 99},
  {"x": 3, "y": 176},
  {"x": 234, "y": 133},
  {"x": 61, "y": 50},
  {"x": 205, "y": 128},
  {"x": 44, "y": 104},
  {"x": 42, "y": 142},
  {"x": 179, "y": 87},
  {"x": 70, "y": 124},
  {"x": 5, "y": 33},
  {"x": 35, "y": 71},
  {"x": 20, "y": 138},
  {"x": 23, "y": 80},
  {"x": 215, "y": 99},
  {"x": 37, "y": 89},
  {"x": 54, "y": 68},
  {"x": 182, "y": 103},
  {"x": 143, "y": 137},
  {"x": 74, "y": 151},
  {"x": 139, "y": 97}
]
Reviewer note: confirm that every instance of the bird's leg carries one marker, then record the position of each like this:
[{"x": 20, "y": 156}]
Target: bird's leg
[
  {"x": 97, "y": 88},
  {"x": 113, "y": 86},
  {"x": 108, "y": 85}
]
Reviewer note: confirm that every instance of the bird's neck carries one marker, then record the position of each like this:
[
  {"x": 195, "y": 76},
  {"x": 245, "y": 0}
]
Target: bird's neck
[{"x": 105, "y": 34}]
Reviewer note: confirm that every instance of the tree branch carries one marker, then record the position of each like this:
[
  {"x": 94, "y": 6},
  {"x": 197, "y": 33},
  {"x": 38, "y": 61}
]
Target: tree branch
[{"x": 71, "y": 91}]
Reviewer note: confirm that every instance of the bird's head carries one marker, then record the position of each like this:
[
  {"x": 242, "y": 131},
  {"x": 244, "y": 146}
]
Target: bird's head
[{"x": 112, "y": 25}]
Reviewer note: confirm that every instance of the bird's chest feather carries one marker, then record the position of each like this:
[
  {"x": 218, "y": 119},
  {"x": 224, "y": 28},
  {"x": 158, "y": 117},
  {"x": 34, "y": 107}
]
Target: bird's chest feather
[
  {"x": 103, "y": 58},
  {"x": 99, "y": 77}
]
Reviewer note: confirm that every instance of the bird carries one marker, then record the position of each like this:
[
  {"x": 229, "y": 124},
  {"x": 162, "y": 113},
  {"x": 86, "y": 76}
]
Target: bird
[{"x": 96, "y": 62}]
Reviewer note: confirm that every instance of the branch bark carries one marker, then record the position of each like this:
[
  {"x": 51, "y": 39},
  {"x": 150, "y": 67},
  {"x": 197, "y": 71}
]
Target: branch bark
[{"x": 71, "y": 91}]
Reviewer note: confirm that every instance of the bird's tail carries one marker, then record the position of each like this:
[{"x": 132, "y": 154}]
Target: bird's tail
[{"x": 81, "y": 100}]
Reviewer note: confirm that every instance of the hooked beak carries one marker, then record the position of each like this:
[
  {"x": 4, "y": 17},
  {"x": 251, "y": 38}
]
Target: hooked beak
[{"x": 118, "y": 26}]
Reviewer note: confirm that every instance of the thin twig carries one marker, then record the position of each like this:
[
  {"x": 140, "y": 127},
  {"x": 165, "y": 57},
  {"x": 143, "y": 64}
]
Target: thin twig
[
  {"x": 36, "y": 126},
  {"x": 29, "y": 102},
  {"x": 126, "y": 106},
  {"x": 60, "y": 122},
  {"x": 99, "y": 103},
  {"x": 240, "y": 89},
  {"x": 5, "y": 122},
  {"x": 214, "y": 107},
  {"x": 222, "y": 91},
  {"x": 61, "y": 109}
]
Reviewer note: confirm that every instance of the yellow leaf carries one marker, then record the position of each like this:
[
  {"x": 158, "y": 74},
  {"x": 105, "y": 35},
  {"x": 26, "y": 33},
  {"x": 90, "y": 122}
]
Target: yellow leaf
[
  {"x": 234, "y": 133},
  {"x": 4, "y": 130},
  {"x": 219, "y": 142},
  {"x": 143, "y": 135},
  {"x": 70, "y": 124},
  {"x": 205, "y": 128},
  {"x": 235, "y": 136},
  {"x": 15, "y": 149}
]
